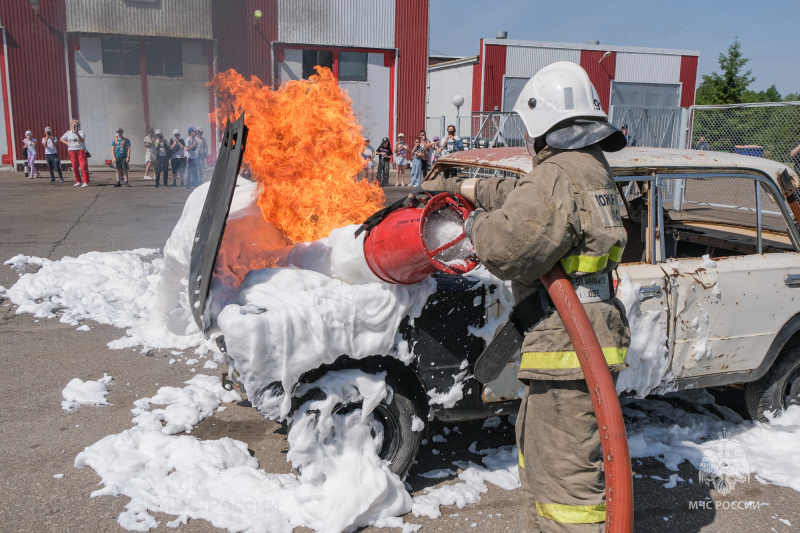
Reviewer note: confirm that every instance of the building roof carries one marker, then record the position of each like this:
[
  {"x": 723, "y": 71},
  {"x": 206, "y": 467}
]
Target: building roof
[
  {"x": 454, "y": 63},
  {"x": 597, "y": 47}
]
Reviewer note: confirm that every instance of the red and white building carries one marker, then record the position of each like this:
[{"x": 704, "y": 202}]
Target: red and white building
[
  {"x": 143, "y": 63},
  {"x": 625, "y": 77}
]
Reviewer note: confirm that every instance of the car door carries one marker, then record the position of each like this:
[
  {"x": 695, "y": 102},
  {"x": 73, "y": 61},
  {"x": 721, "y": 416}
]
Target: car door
[{"x": 728, "y": 305}]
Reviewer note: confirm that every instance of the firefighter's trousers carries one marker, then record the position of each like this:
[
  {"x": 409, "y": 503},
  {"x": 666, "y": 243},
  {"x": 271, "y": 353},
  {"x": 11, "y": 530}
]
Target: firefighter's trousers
[{"x": 560, "y": 460}]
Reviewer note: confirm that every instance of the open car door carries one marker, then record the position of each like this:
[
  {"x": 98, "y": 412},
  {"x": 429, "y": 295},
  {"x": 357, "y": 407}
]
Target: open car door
[{"x": 211, "y": 226}]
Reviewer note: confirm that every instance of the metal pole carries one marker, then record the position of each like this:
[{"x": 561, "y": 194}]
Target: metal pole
[{"x": 759, "y": 236}]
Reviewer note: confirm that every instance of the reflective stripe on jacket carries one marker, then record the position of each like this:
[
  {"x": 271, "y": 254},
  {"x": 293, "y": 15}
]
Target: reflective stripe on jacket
[{"x": 566, "y": 210}]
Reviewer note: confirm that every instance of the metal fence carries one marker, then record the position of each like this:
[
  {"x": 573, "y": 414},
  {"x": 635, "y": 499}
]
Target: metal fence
[
  {"x": 769, "y": 130},
  {"x": 650, "y": 126}
]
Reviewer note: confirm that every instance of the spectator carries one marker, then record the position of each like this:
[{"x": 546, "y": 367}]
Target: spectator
[
  {"x": 50, "y": 144},
  {"x": 149, "y": 154},
  {"x": 192, "y": 179},
  {"x": 384, "y": 152},
  {"x": 628, "y": 138},
  {"x": 202, "y": 154},
  {"x": 75, "y": 140},
  {"x": 400, "y": 160},
  {"x": 178, "y": 158},
  {"x": 435, "y": 151},
  {"x": 30, "y": 152},
  {"x": 162, "y": 158},
  {"x": 121, "y": 151},
  {"x": 419, "y": 155},
  {"x": 425, "y": 143},
  {"x": 702, "y": 144},
  {"x": 450, "y": 144},
  {"x": 368, "y": 154}
]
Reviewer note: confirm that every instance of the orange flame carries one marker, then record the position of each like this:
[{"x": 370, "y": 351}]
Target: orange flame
[{"x": 304, "y": 151}]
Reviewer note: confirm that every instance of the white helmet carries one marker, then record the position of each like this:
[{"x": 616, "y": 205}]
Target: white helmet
[{"x": 558, "y": 92}]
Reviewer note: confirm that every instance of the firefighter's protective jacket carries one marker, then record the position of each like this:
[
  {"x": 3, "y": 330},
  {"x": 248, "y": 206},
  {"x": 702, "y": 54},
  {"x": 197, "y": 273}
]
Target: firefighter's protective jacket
[{"x": 564, "y": 211}]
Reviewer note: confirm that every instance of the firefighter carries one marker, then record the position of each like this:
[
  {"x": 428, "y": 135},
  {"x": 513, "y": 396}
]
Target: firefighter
[{"x": 565, "y": 211}]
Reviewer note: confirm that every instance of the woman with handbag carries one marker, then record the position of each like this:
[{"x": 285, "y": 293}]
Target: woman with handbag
[{"x": 75, "y": 140}]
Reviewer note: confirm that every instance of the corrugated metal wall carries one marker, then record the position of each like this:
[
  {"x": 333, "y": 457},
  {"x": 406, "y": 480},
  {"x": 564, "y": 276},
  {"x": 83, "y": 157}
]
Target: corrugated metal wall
[
  {"x": 648, "y": 68},
  {"x": 243, "y": 43},
  {"x": 188, "y": 19},
  {"x": 37, "y": 70},
  {"x": 359, "y": 23},
  {"x": 444, "y": 84},
  {"x": 525, "y": 61},
  {"x": 477, "y": 80},
  {"x": 600, "y": 73},
  {"x": 411, "y": 41},
  {"x": 494, "y": 71},
  {"x": 688, "y": 80}
]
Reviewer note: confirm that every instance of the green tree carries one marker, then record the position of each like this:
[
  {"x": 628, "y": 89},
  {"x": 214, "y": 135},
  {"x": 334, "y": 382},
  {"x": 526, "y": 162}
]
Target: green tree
[
  {"x": 791, "y": 97},
  {"x": 770, "y": 95},
  {"x": 729, "y": 86}
]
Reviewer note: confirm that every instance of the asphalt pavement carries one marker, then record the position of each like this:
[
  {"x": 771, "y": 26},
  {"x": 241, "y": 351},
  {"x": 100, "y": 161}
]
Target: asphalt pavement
[{"x": 39, "y": 440}]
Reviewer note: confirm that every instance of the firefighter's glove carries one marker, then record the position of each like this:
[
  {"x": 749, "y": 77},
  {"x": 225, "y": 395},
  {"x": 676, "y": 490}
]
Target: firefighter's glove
[
  {"x": 470, "y": 221},
  {"x": 442, "y": 184}
]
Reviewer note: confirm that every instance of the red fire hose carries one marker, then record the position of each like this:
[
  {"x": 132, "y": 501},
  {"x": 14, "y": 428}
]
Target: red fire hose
[{"x": 614, "y": 440}]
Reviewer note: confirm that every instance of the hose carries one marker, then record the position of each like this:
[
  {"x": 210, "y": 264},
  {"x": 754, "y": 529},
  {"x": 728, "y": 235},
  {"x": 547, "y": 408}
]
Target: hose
[{"x": 613, "y": 438}]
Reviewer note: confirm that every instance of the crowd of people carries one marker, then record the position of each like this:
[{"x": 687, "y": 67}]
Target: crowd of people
[
  {"x": 420, "y": 156},
  {"x": 185, "y": 158}
]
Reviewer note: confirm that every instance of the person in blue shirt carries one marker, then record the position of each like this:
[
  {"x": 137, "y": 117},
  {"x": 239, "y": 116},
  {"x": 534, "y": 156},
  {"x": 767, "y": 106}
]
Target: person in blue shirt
[{"x": 121, "y": 148}]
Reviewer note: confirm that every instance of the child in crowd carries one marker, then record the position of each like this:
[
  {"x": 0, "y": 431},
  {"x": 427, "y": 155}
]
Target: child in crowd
[
  {"x": 419, "y": 155},
  {"x": 400, "y": 160},
  {"x": 435, "y": 151},
  {"x": 368, "y": 154},
  {"x": 30, "y": 149},
  {"x": 384, "y": 152}
]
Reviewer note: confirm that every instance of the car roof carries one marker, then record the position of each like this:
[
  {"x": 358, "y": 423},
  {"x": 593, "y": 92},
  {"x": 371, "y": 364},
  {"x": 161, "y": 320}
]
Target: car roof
[{"x": 631, "y": 160}]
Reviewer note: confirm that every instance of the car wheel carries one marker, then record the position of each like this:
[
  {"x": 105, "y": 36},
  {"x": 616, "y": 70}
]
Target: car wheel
[
  {"x": 400, "y": 443},
  {"x": 780, "y": 386}
]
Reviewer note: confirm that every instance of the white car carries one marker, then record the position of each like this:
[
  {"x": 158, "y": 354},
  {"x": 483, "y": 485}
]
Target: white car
[
  {"x": 713, "y": 258},
  {"x": 710, "y": 279}
]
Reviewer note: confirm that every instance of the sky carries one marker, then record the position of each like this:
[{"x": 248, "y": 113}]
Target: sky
[{"x": 769, "y": 34}]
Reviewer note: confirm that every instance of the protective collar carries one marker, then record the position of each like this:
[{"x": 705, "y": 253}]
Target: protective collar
[{"x": 580, "y": 133}]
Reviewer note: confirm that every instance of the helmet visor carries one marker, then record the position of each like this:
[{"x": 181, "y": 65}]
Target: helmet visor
[{"x": 530, "y": 143}]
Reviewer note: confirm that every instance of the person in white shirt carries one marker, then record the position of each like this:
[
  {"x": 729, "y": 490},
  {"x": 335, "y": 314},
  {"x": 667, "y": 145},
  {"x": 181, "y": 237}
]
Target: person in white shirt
[
  {"x": 51, "y": 154},
  {"x": 192, "y": 179},
  {"x": 75, "y": 140},
  {"x": 30, "y": 151},
  {"x": 149, "y": 154}
]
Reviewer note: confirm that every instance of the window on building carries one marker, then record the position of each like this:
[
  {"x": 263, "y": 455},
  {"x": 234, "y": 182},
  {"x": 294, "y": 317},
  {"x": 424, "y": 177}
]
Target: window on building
[
  {"x": 645, "y": 94},
  {"x": 165, "y": 58},
  {"x": 120, "y": 57},
  {"x": 312, "y": 58},
  {"x": 352, "y": 66}
]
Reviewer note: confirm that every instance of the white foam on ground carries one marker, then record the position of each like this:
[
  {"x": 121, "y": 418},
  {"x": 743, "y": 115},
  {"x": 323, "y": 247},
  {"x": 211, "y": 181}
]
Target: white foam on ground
[
  {"x": 220, "y": 482},
  {"x": 499, "y": 468},
  {"x": 79, "y": 392}
]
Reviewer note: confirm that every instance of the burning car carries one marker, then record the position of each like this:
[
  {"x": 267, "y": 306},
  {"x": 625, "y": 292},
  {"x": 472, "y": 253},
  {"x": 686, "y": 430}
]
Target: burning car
[{"x": 707, "y": 279}]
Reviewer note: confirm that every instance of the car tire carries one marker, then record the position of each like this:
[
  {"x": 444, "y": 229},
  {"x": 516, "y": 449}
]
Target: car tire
[
  {"x": 779, "y": 387},
  {"x": 400, "y": 442}
]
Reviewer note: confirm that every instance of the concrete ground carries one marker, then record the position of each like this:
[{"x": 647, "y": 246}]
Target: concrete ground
[{"x": 39, "y": 440}]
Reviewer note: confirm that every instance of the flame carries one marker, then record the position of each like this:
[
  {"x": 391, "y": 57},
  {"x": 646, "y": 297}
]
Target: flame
[{"x": 304, "y": 150}]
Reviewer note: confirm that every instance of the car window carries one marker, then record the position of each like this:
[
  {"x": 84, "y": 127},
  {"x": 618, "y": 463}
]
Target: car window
[{"x": 719, "y": 216}]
